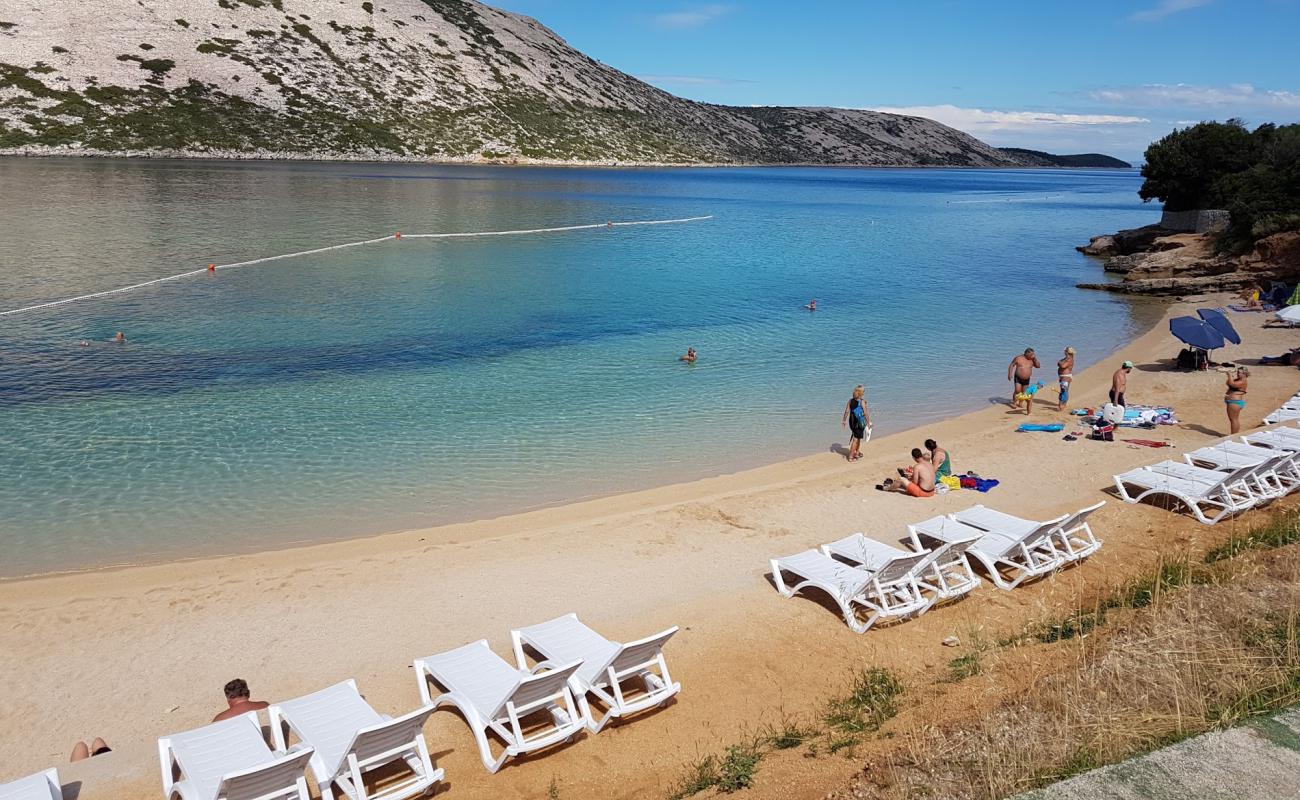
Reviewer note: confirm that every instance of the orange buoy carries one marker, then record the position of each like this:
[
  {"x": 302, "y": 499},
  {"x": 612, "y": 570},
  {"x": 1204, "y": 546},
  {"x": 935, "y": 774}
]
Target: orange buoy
[{"x": 212, "y": 268}]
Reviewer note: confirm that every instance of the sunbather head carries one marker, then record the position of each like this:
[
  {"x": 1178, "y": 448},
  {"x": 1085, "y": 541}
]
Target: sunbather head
[{"x": 237, "y": 700}]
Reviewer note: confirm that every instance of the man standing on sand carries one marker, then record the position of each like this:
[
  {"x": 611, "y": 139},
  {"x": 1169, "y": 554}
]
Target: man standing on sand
[
  {"x": 1021, "y": 371},
  {"x": 1065, "y": 374},
  {"x": 237, "y": 698},
  {"x": 1119, "y": 383}
]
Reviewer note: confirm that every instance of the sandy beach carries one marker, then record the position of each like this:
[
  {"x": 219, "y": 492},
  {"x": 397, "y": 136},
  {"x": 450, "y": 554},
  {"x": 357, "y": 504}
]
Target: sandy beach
[{"x": 132, "y": 654}]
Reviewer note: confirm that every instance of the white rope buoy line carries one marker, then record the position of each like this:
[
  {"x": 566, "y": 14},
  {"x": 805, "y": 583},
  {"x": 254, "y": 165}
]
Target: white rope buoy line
[{"x": 391, "y": 237}]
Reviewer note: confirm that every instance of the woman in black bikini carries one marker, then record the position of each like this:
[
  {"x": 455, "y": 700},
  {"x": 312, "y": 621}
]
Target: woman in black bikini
[{"x": 858, "y": 420}]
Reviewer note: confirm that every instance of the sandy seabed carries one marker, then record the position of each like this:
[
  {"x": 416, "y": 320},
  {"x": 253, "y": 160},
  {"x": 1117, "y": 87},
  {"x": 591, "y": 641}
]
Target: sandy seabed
[{"x": 133, "y": 654}]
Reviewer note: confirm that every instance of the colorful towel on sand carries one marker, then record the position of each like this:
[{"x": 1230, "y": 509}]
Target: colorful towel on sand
[
  {"x": 1055, "y": 427},
  {"x": 1147, "y": 443},
  {"x": 977, "y": 483}
]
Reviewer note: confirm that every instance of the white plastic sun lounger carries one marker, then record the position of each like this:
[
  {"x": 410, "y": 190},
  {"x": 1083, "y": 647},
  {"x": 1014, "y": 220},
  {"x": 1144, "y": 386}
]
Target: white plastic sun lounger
[
  {"x": 41, "y": 786},
  {"x": 889, "y": 593},
  {"x": 1272, "y": 471},
  {"x": 944, "y": 574},
  {"x": 1283, "y": 414},
  {"x": 1070, "y": 534},
  {"x": 606, "y": 666},
  {"x": 494, "y": 697},
  {"x": 1279, "y": 438},
  {"x": 1209, "y": 503},
  {"x": 229, "y": 760},
  {"x": 351, "y": 738},
  {"x": 1239, "y": 483},
  {"x": 1023, "y": 555}
]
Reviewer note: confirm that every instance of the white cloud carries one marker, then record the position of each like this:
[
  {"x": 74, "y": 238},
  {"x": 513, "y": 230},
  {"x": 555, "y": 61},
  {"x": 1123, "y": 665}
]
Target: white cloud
[
  {"x": 692, "y": 17},
  {"x": 691, "y": 80},
  {"x": 1183, "y": 95},
  {"x": 1167, "y": 8},
  {"x": 978, "y": 121}
]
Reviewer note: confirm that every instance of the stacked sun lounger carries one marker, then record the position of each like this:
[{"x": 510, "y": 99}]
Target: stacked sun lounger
[
  {"x": 41, "y": 786},
  {"x": 872, "y": 581},
  {"x": 1287, "y": 412},
  {"x": 1221, "y": 480},
  {"x": 338, "y": 738}
]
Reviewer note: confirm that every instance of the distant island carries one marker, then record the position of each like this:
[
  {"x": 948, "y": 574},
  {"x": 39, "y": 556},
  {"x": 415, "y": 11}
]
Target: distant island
[
  {"x": 418, "y": 80},
  {"x": 1038, "y": 158}
]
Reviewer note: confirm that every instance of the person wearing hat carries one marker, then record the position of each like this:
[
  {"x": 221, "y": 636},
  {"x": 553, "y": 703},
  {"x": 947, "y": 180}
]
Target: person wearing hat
[
  {"x": 1119, "y": 383},
  {"x": 1065, "y": 374}
]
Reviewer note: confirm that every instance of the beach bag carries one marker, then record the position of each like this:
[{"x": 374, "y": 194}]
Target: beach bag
[{"x": 1103, "y": 433}]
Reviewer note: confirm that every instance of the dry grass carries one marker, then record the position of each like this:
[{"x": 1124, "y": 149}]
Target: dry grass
[{"x": 1188, "y": 648}]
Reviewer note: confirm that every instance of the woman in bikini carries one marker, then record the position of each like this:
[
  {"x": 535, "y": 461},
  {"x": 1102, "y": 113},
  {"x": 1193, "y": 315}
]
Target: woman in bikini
[
  {"x": 1064, "y": 374},
  {"x": 858, "y": 420},
  {"x": 1235, "y": 399}
]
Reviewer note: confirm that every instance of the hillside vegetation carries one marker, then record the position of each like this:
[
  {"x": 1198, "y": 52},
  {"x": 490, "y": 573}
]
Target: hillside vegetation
[{"x": 419, "y": 79}]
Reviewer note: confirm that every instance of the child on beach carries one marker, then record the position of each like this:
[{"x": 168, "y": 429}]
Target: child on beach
[{"x": 858, "y": 420}]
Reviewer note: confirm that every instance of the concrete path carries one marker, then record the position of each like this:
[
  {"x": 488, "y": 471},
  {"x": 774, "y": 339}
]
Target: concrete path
[{"x": 1259, "y": 760}]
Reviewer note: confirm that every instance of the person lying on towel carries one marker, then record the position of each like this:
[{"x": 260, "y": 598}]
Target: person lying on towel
[{"x": 917, "y": 480}]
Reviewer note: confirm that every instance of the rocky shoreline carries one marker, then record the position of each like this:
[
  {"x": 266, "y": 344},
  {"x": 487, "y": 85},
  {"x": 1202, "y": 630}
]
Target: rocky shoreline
[{"x": 1160, "y": 261}]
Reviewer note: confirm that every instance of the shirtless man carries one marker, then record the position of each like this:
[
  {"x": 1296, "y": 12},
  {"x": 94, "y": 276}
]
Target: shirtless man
[
  {"x": 689, "y": 358},
  {"x": 1119, "y": 383},
  {"x": 919, "y": 480},
  {"x": 1021, "y": 371},
  {"x": 1065, "y": 374},
  {"x": 237, "y": 699}
]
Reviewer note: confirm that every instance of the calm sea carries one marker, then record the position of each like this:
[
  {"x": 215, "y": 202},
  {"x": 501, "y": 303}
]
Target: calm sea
[{"x": 416, "y": 382}]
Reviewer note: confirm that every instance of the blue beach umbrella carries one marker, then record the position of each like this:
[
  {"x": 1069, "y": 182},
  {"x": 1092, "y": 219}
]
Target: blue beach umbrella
[
  {"x": 1215, "y": 319},
  {"x": 1196, "y": 333}
]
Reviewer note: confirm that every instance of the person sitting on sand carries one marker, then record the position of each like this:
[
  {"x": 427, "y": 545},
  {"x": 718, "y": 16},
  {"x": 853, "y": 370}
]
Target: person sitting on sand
[
  {"x": 1064, "y": 375},
  {"x": 80, "y": 752},
  {"x": 812, "y": 305},
  {"x": 237, "y": 698},
  {"x": 940, "y": 458},
  {"x": 1251, "y": 296},
  {"x": 917, "y": 480},
  {"x": 1119, "y": 384},
  {"x": 689, "y": 358},
  {"x": 1021, "y": 371}
]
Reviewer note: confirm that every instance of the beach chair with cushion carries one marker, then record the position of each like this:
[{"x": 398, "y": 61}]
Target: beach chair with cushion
[
  {"x": 607, "y": 667},
  {"x": 888, "y": 593},
  {"x": 1207, "y": 502},
  {"x": 944, "y": 574},
  {"x": 496, "y": 698},
  {"x": 229, "y": 760},
  {"x": 1009, "y": 558},
  {"x": 351, "y": 739},
  {"x": 41, "y": 786}
]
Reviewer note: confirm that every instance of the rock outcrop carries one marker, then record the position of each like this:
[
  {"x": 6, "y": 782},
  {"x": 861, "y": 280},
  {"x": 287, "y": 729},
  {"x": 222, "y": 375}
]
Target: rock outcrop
[
  {"x": 1168, "y": 263},
  {"x": 398, "y": 79}
]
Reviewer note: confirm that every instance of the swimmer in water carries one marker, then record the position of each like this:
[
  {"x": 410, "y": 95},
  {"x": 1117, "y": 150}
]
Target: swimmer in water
[
  {"x": 689, "y": 358},
  {"x": 85, "y": 343},
  {"x": 812, "y": 304},
  {"x": 120, "y": 338}
]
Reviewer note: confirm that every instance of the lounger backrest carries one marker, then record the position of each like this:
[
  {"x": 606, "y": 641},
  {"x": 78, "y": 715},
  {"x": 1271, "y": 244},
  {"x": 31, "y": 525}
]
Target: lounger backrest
[
  {"x": 1079, "y": 517},
  {"x": 392, "y": 735},
  {"x": 899, "y": 567},
  {"x": 329, "y": 720},
  {"x": 543, "y": 685},
  {"x": 41, "y": 786},
  {"x": 475, "y": 672},
  {"x": 273, "y": 779},
  {"x": 641, "y": 651},
  {"x": 860, "y": 549},
  {"x": 207, "y": 755}
]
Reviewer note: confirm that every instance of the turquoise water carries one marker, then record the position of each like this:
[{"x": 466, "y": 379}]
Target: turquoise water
[{"x": 413, "y": 383}]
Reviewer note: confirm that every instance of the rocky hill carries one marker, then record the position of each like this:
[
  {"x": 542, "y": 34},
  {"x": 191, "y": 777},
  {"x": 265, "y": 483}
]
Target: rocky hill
[
  {"x": 417, "y": 79},
  {"x": 1037, "y": 158}
]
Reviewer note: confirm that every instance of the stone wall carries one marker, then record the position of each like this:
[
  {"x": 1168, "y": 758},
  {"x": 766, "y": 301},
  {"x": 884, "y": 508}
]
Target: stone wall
[{"x": 1202, "y": 220}]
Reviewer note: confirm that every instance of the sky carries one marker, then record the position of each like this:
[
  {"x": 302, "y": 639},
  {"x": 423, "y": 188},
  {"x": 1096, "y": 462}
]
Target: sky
[{"x": 1067, "y": 77}]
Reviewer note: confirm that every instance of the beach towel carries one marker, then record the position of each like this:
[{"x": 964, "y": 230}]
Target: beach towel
[
  {"x": 1148, "y": 443},
  {"x": 950, "y": 481},
  {"x": 1055, "y": 427}
]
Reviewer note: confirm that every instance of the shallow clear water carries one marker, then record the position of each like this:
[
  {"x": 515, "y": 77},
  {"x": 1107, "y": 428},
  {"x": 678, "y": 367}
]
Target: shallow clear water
[{"x": 418, "y": 382}]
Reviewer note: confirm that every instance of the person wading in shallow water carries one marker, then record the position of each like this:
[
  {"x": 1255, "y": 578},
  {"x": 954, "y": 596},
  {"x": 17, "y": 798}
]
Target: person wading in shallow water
[{"x": 858, "y": 420}]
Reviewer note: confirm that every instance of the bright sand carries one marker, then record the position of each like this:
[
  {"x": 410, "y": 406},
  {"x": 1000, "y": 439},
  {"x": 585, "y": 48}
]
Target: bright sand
[{"x": 136, "y": 653}]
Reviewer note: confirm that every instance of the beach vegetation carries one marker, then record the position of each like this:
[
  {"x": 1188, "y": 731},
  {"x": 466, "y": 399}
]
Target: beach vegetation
[{"x": 1255, "y": 175}]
